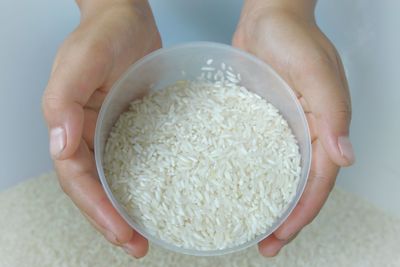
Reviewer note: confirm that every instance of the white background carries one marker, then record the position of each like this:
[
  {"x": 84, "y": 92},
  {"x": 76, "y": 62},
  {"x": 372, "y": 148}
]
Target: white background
[{"x": 366, "y": 33}]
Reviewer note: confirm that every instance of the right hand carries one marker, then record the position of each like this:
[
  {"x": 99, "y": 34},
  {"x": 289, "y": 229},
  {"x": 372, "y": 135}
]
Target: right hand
[{"x": 111, "y": 36}]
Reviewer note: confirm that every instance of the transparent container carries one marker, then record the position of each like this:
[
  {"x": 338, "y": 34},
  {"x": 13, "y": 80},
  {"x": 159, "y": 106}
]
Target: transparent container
[{"x": 183, "y": 62}]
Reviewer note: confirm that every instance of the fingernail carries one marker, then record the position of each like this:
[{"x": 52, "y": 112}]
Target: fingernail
[
  {"x": 57, "y": 141},
  {"x": 346, "y": 148}
]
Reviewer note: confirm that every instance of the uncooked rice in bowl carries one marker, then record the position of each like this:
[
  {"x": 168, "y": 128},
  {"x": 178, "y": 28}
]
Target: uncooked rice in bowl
[{"x": 203, "y": 165}]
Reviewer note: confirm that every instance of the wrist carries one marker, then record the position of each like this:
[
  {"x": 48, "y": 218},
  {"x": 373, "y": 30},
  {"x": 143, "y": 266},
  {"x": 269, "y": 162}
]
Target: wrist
[
  {"x": 91, "y": 7},
  {"x": 301, "y": 8}
]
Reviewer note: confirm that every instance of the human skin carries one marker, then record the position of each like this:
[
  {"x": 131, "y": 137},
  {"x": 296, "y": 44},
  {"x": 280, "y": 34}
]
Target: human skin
[
  {"x": 284, "y": 34},
  {"x": 110, "y": 37},
  {"x": 113, "y": 34}
]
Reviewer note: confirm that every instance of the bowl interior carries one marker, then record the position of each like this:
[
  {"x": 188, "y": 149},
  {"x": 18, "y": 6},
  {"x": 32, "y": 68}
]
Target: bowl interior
[{"x": 184, "y": 62}]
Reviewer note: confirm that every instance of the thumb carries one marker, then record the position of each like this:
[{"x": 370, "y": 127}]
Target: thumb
[
  {"x": 77, "y": 74},
  {"x": 65, "y": 123},
  {"x": 324, "y": 88}
]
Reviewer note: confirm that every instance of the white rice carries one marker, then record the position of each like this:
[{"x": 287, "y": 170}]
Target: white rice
[{"x": 203, "y": 166}]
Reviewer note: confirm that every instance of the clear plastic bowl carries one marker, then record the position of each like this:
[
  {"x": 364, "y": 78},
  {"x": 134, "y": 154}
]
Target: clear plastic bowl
[{"x": 184, "y": 62}]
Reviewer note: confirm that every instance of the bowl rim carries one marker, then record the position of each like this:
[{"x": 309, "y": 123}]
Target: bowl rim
[{"x": 122, "y": 212}]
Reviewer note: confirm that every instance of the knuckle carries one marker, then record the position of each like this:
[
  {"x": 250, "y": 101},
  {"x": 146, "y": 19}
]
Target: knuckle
[
  {"x": 318, "y": 176},
  {"x": 343, "y": 110},
  {"x": 50, "y": 103},
  {"x": 319, "y": 58},
  {"x": 88, "y": 47},
  {"x": 94, "y": 49},
  {"x": 329, "y": 180},
  {"x": 95, "y": 57},
  {"x": 48, "y": 100}
]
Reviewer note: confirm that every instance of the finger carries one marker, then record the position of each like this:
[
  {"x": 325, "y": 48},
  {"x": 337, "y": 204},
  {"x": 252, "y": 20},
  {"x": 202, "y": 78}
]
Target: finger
[
  {"x": 321, "y": 84},
  {"x": 320, "y": 183},
  {"x": 292, "y": 237},
  {"x": 270, "y": 246},
  {"x": 136, "y": 247},
  {"x": 79, "y": 181},
  {"x": 80, "y": 70},
  {"x": 107, "y": 234}
]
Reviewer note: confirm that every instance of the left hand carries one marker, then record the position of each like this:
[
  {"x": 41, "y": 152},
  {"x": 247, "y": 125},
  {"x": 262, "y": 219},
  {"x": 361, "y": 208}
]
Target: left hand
[{"x": 289, "y": 40}]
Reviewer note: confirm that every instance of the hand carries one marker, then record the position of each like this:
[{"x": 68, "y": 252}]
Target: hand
[
  {"x": 291, "y": 42},
  {"x": 111, "y": 36}
]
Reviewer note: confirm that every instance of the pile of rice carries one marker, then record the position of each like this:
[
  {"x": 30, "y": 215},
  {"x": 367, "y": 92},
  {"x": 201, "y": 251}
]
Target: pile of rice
[{"x": 203, "y": 165}]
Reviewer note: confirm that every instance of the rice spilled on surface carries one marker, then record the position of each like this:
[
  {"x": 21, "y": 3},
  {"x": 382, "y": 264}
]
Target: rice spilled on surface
[{"x": 203, "y": 165}]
